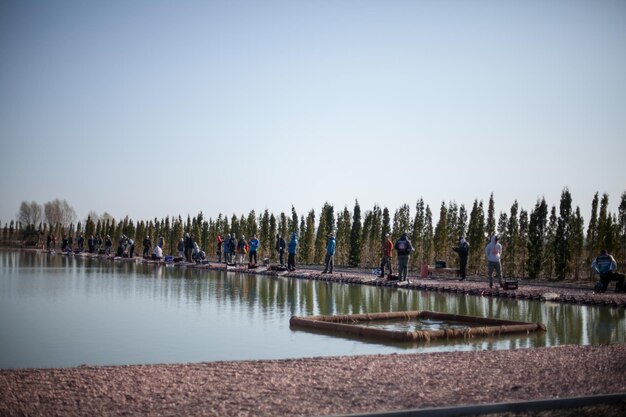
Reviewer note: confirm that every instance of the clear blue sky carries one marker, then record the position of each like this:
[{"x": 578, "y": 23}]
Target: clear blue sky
[{"x": 156, "y": 108}]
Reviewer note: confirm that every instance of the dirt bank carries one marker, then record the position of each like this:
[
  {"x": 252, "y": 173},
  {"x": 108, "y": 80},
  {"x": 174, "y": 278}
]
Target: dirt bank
[{"x": 316, "y": 386}]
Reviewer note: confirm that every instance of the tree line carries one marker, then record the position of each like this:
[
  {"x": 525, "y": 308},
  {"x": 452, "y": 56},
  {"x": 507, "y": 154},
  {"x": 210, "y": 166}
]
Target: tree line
[{"x": 549, "y": 242}]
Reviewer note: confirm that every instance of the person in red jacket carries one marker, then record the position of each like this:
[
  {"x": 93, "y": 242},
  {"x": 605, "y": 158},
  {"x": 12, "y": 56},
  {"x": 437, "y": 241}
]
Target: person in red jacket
[{"x": 387, "y": 250}]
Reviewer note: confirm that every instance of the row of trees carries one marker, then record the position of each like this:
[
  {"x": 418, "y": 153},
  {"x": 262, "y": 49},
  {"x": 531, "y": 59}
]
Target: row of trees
[{"x": 548, "y": 241}]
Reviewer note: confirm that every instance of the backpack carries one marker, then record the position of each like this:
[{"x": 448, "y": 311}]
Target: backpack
[{"x": 403, "y": 246}]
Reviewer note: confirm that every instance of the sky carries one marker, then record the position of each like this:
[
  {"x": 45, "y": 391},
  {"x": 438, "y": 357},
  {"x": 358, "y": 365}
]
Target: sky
[{"x": 158, "y": 108}]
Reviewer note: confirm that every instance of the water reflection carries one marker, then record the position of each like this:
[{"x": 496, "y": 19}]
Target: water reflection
[{"x": 60, "y": 310}]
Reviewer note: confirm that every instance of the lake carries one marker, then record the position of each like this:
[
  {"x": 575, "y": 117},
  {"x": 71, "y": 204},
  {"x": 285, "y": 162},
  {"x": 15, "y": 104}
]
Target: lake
[{"x": 62, "y": 311}]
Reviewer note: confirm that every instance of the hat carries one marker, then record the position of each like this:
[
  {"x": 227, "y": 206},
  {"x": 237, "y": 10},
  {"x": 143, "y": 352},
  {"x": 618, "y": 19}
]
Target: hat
[{"x": 386, "y": 234}]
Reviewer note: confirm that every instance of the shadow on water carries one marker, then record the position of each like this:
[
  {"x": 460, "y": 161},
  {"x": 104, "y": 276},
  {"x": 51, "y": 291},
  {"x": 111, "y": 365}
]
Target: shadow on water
[{"x": 60, "y": 310}]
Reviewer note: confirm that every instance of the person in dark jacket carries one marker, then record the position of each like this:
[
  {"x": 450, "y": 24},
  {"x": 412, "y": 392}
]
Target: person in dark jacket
[
  {"x": 280, "y": 248},
  {"x": 606, "y": 267},
  {"x": 147, "y": 244},
  {"x": 188, "y": 247},
  {"x": 463, "y": 250},
  {"x": 91, "y": 244},
  {"x": 404, "y": 248},
  {"x": 232, "y": 248}
]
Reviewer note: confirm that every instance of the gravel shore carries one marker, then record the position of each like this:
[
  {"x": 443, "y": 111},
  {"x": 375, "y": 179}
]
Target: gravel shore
[{"x": 316, "y": 386}]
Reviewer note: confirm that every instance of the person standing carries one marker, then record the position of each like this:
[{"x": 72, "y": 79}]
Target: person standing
[
  {"x": 254, "y": 246},
  {"x": 226, "y": 247},
  {"x": 219, "y": 248},
  {"x": 146, "y": 246},
  {"x": 242, "y": 249},
  {"x": 108, "y": 244},
  {"x": 292, "y": 249},
  {"x": 463, "y": 250},
  {"x": 493, "y": 251},
  {"x": 404, "y": 248},
  {"x": 91, "y": 244},
  {"x": 387, "y": 250},
  {"x": 330, "y": 254},
  {"x": 180, "y": 247},
  {"x": 606, "y": 266},
  {"x": 280, "y": 248},
  {"x": 188, "y": 247},
  {"x": 232, "y": 248},
  {"x": 131, "y": 247}
]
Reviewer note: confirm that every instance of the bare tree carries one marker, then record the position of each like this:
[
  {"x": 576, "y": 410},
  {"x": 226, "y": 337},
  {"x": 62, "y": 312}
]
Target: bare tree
[
  {"x": 29, "y": 213},
  {"x": 59, "y": 212}
]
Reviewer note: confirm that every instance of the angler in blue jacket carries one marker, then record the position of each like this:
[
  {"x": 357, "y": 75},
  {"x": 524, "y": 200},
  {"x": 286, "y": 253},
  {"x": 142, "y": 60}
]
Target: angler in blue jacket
[
  {"x": 330, "y": 254},
  {"x": 292, "y": 249}
]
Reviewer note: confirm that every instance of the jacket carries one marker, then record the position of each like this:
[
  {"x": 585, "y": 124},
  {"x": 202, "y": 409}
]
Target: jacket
[
  {"x": 462, "y": 249},
  {"x": 387, "y": 248},
  {"x": 330, "y": 246},
  {"x": 293, "y": 244},
  {"x": 604, "y": 264},
  {"x": 404, "y": 246},
  {"x": 493, "y": 250}
]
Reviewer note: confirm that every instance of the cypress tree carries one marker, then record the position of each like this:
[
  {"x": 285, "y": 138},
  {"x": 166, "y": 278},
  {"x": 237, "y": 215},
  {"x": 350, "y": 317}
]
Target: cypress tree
[
  {"x": 374, "y": 236},
  {"x": 366, "y": 242},
  {"x": 427, "y": 241},
  {"x": 577, "y": 241},
  {"x": 461, "y": 224},
  {"x": 283, "y": 227},
  {"x": 386, "y": 222},
  {"x": 273, "y": 232},
  {"x": 592, "y": 245},
  {"x": 320, "y": 238},
  {"x": 562, "y": 253},
  {"x": 253, "y": 227},
  {"x": 235, "y": 227},
  {"x": 511, "y": 254},
  {"x": 523, "y": 241},
  {"x": 293, "y": 222},
  {"x": 476, "y": 236},
  {"x": 343, "y": 237},
  {"x": 309, "y": 238},
  {"x": 621, "y": 255},
  {"x": 604, "y": 224},
  {"x": 243, "y": 227},
  {"x": 441, "y": 233},
  {"x": 491, "y": 219},
  {"x": 453, "y": 233},
  {"x": 329, "y": 212},
  {"x": 418, "y": 233},
  {"x": 355, "y": 237},
  {"x": 402, "y": 221},
  {"x": 536, "y": 237},
  {"x": 548, "y": 264},
  {"x": 266, "y": 239}
]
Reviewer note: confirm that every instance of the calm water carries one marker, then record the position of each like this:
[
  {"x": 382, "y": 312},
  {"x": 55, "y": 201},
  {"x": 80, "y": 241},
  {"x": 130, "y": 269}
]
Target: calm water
[{"x": 58, "y": 311}]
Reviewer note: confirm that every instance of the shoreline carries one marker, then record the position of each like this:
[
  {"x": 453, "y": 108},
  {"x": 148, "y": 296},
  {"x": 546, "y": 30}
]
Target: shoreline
[
  {"x": 572, "y": 292},
  {"x": 318, "y": 386}
]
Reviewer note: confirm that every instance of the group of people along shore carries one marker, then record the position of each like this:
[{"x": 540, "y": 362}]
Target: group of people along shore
[{"x": 235, "y": 251}]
